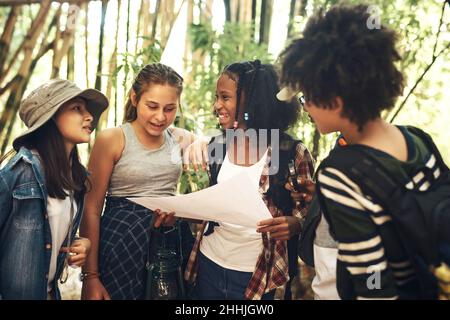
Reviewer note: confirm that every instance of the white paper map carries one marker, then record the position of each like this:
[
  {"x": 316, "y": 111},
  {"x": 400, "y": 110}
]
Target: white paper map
[{"x": 235, "y": 200}]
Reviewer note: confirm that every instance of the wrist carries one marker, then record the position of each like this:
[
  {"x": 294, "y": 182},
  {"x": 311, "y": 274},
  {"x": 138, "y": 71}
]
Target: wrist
[{"x": 87, "y": 275}]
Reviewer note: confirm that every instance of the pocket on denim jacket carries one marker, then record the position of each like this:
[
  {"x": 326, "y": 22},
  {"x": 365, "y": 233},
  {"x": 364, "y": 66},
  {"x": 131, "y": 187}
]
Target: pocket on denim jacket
[{"x": 27, "y": 210}]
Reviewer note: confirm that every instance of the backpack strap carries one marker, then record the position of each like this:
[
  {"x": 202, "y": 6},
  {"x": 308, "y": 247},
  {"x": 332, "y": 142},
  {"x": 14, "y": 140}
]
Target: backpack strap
[
  {"x": 359, "y": 166},
  {"x": 426, "y": 138},
  {"x": 373, "y": 177}
]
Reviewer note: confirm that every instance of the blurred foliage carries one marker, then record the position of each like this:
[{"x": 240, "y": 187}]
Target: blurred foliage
[
  {"x": 214, "y": 51},
  {"x": 415, "y": 21},
  {"x": 132, "y": 63}
]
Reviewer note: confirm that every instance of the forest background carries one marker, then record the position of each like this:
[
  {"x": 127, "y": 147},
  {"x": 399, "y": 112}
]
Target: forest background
[{"x": 103, "y": 43}]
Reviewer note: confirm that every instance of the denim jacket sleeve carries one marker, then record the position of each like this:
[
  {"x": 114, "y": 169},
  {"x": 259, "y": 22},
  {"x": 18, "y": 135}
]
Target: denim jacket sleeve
[{"x": 5, "y": 201}]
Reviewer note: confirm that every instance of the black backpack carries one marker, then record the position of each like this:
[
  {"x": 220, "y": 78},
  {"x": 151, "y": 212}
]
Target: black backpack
[
  {"x": 421, "y": 217},
  {"x": 308, "y": 234}
]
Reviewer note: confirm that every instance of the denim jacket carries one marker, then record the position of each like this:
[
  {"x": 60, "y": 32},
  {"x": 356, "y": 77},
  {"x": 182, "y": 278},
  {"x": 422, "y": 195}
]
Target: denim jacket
[{"x": 25, "y": 236}]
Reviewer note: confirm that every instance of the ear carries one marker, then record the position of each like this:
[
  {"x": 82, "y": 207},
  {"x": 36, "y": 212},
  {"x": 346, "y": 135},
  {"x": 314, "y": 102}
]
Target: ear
[
  {"x": 337, "y": 105},
  {"x": 133, "y": 98}
]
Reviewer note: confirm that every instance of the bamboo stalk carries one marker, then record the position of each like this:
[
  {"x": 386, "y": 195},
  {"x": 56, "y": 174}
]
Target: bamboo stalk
[
  {"x": 67, "y": 41},
  {"x": 98, "y": 77},
  {"x": 86, "y": 41},
  {"x": 227, "y": 5},
  {"x": 115, "y": 78},
  {"x": 128, "y": 26},
  {"x": 146, "y": 23},
  {"x": 29, "y": 41},
  {"x": 187, "y": 47},
  {"x": 16, "y": 96},
  {"x": 247, "y": 11},
  {"x": 53, "y": 23},
  {"x": 71, "y": 63},
  {"x": 138, "y": 29},
  {"x": 5, "y": 40},
  {"x": 16, "y": 88},
  {"x": 291, "y": 18},
  {"x": 173, "y": 17},
  {"x": 56, "y": 43},
  {"x": 112, "y": 67},
  {"x": 266, "y": 19},
  {"x": 7, "y": 3},
  {"x": 155, "y": 20}
]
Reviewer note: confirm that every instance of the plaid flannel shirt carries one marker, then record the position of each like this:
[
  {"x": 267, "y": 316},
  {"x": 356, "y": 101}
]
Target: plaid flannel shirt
[{"x": 271, "y": 269}]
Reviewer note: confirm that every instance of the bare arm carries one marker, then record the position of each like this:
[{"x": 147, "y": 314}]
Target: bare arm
[{"x": 105, "y": 153}]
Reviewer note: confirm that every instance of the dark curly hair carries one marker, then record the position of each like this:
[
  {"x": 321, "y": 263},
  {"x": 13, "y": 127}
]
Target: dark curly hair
[
  {"x": 260, "y": 84},
  {"x": 339, "y": 55}
]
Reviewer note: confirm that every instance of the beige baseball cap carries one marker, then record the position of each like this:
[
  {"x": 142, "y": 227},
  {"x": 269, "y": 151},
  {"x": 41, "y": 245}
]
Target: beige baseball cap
[
  {"x": 44, "y": 101},
  {"x": 287, "y": 93}
]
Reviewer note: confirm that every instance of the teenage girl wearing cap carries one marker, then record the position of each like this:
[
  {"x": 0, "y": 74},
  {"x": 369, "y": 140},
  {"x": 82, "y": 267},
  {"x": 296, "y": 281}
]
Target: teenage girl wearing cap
[{"x": 42, "y": 191}]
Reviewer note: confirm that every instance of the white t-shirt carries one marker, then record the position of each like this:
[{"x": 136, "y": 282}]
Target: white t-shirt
[
  {"x": 58, "y": 212},
  {"x": 232, "y": 246},
  {"x": 325, "y": 261}
]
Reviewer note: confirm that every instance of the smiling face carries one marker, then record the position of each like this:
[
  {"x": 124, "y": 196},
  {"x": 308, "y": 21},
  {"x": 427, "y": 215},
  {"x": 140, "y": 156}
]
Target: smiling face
[
  {"x": 74, "y": 122},
  {"x": 225, "y": 102},
  {"x": 156, "y": 108}
]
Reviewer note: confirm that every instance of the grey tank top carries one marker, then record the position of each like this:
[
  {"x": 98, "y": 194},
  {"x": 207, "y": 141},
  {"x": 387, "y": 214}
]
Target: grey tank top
[{"x": 141, "y": 172}]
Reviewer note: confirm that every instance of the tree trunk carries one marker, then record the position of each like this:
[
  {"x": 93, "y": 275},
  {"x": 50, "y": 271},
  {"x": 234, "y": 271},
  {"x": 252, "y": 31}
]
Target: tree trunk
[
  {"x": 24, "y": 69},
  {"x": 254, "y": 8},
  {"x": 188, "y": 54},
  {"x": 246, "y": 10},
  {"x": 29, "y": 41},
  {"x": 128, "y": 27},
  {"x": 146, "y": 23},
  {"x": 173, "y": 18},
  {"x": 227, "y": 5},
  {"x": 67, "y": 38},
  {"x": 86, "y": 42},
  {"x": 291, "y": 18},
  {"x": 16, "y": 95},
  {"x": 8, "y": 3},
  {"x": 138, "y": 28},
  {"x": 234, "y": 10},
  {"x": 166, "y": 20},
  {"x": 112, "y": 80},
  {"x": 116, "y": 106},
  {"x": 71, "y": 63},
  {"x": 98, "y": 77},
  {"x": 8, "y": 32},
  {"x": 155, "y": 21},
  {"x": 266, "y": 18}
]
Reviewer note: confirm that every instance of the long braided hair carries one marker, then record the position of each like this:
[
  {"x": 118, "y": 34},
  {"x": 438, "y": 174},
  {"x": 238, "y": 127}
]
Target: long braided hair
[
  {"x": 258, "y": 83},
  {"x": 260, "y": 108}
]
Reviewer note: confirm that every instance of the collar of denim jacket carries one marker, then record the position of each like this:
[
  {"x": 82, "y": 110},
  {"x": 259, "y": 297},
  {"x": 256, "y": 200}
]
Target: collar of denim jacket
[{"x": 28, "y": 156}]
